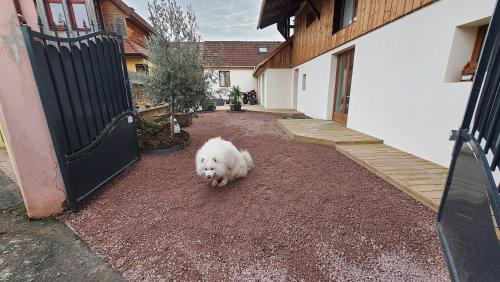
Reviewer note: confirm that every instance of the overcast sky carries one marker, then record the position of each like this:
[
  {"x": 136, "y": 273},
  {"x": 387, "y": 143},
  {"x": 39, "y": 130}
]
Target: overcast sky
[{"x": 222, "y": 19}]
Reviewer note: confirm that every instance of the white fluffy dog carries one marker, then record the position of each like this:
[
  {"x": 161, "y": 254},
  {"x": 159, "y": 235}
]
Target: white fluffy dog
[{"x": 219, "y": 160}]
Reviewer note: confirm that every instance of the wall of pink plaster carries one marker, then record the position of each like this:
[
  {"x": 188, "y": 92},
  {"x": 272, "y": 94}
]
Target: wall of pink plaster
[{"x": 22, "y": 119}]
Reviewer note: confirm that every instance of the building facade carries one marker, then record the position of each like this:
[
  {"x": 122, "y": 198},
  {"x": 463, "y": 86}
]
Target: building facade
[
  {"x": 77, "y": 17},
  {"x": 398, "y": 70},
  {"x": 233, "y": 63},
  {"x": 121, "y": 18}
]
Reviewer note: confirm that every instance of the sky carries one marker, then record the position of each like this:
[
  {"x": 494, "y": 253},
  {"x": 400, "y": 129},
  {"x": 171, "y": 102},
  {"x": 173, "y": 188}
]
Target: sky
[{"x": 222, "y": 19}]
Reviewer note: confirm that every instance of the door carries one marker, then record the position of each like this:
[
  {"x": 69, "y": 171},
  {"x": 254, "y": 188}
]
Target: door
[{"x": 343, "y": 86}]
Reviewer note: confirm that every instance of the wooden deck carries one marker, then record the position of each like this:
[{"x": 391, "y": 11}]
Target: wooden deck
[
  {"x": 324, "y": 132},
  {"x": 419, "y": 178}
]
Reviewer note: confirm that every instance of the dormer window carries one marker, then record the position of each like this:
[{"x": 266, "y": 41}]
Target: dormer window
[{"x": 262, "y": 50}]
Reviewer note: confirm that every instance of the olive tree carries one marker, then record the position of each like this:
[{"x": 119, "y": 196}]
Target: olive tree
[{"x": 177, "y": 76}]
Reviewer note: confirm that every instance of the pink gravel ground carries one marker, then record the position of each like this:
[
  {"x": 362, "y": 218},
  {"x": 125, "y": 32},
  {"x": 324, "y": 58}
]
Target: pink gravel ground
[{"x": 305, "y": 212}]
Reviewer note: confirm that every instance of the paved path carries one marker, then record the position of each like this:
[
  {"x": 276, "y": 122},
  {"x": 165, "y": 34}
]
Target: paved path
[{"x": 42, "y": 250}]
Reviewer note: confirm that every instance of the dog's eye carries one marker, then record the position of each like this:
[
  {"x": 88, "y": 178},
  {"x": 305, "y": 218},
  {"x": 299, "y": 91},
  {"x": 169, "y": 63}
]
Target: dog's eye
[
  {"x": 211, "y": 169},
  {"x": 206, "y": 168}
]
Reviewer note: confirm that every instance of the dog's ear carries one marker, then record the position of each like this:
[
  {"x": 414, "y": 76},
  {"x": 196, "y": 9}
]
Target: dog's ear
[{"x": 215, "y": 160}]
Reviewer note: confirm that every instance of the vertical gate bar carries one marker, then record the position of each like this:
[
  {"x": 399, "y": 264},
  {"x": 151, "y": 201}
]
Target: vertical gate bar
[
  {"x": 125, "y": 73},
  {"x": 88, "y": 88},
  {"x": 28, "y": 39},
  {"x": 496, "y": 157},
  {"x": 57, "y": 94},
  {"x": 116, "y": 77},
  {"x": 112, "y": 74},
  {"x": 119, "y": 71},
  {"x": 494, "y": 118},
  {"x": 99, "y": 63},
  {"x": 95, "y": 84},
  {"x": 489, "y": 94},
  {"x": 111, "y": 87},
  {"x": 104, "y": 76},
  {"x": 71, "y": 102},
  {"x": 79, "y": 91},
  {"x": 490, "y": 47}
]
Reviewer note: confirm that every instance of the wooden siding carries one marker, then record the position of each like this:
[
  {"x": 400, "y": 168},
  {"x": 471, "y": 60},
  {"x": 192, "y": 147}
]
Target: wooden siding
[
  {"x": 316, "y": 39},
  {"x": 279, "y": 59},
  {"x": 114, "y": 18},
  {"x": 135, "y": 33}
]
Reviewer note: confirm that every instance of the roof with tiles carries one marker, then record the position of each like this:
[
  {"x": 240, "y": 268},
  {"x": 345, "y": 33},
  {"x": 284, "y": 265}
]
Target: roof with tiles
[
  {"x": 134, "y": 49},
  {"x": 237, "y": 53}
]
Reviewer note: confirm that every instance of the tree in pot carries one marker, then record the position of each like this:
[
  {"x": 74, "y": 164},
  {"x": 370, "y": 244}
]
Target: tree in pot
[
  {"x": 235, "y": 98},
  {"x": 177, "y": 76}
]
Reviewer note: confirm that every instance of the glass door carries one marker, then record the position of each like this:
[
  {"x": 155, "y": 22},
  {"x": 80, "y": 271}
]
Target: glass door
[{"x": 343, "y": 86}]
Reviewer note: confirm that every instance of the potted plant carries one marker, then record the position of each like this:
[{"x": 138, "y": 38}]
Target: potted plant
[{"x": 235, "y": 98}]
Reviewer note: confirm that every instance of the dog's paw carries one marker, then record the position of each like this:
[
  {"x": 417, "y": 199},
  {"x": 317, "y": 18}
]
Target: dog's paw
[
  {"x": 223, "y": 183},
  {"x": 215, "y": 183}
]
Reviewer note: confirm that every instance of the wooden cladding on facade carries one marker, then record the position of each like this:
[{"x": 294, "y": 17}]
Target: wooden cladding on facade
[
  {"x": 279, "y": 58},
  {"x": 318, "y": 37},
  {"x": 136, "y": 34},
  {"x": 114, "y": 18}
]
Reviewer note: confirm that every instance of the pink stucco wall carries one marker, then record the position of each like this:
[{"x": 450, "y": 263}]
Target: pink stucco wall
[{"x": 22, "y": 119}]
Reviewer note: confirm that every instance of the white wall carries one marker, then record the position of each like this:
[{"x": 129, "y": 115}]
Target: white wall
[
  {"x": 241, "y": 77},
  {"x": 276, "y": 89},
  {"x": 403, "y": 90}
]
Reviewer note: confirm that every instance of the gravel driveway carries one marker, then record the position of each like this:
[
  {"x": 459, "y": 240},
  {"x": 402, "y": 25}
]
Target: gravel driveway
[{"x": 305, "y": 212}]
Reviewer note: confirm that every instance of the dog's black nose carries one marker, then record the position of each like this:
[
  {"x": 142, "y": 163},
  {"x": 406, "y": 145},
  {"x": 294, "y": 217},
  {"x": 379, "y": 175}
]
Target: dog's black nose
[{"x": 209, "y": 176}]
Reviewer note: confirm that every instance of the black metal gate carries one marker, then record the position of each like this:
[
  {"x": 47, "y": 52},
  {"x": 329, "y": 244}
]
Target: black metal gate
[
  {"x": 85, "y": 92},
  {"x": 470, "y": 209}
]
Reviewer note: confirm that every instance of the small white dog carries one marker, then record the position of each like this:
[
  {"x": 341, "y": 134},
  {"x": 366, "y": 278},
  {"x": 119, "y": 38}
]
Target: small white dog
[{"x": 219, "y": 160}]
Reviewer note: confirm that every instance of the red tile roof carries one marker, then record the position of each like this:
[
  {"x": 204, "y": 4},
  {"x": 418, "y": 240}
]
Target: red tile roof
[
  {"x": 236, "y": 53},
  {"x": 134, "y": 49}
]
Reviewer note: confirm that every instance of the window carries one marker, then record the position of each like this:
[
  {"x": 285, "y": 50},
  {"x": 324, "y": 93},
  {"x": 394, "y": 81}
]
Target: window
[
  {"x": 262, "y": 50},
  {"x": 470, "y": 68},
  {"x": 142, "y": 68},
  {"x": 79, "y": 15},
  {"x": 224, "y": 79},
  {"x": 344, "y": 13},
  {"x": 56, "y": 14},
  {"x": 304, "y": 80},
  {"x": 310, "y": 18}
]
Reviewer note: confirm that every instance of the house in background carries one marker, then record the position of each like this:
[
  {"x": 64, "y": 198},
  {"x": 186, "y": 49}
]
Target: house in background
[
  {"x": 72, "y": 16},
  {"x": 233, "y": 62},
  {"x": 399, "y": 70},
  {"x": 121, "y": 18},
  {"x": 75, "y": 17}
]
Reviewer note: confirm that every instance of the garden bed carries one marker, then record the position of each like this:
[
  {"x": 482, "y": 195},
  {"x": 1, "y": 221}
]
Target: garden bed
[{"x": 154, "y": 135}]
